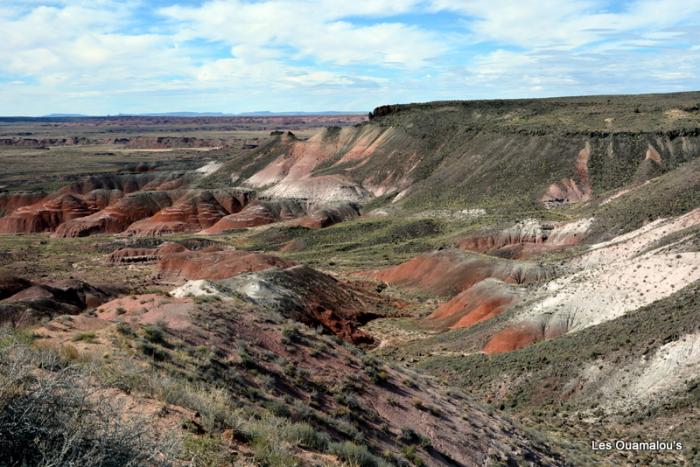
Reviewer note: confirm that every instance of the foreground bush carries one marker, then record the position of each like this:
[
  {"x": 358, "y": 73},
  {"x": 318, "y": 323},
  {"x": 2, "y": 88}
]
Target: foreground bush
[{"x": 50, "y": 417}]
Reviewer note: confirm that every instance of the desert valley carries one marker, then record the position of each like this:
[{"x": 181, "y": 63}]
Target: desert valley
[{"x": 503, "y": 282}]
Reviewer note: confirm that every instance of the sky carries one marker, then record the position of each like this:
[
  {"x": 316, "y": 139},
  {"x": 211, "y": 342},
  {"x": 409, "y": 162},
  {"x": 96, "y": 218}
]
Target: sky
[{"x": 102, "y": 57}]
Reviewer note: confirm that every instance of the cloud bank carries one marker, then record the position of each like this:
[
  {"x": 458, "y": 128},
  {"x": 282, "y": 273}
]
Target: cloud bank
[{"x": 107, "y": 56}]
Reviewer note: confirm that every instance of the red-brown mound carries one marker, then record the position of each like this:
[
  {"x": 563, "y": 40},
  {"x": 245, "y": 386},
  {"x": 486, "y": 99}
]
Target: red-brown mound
[
  {"x": 119, "y": 216},
  {"x": 513, "y": 338},
  {"x": 221, "y": 264},
  {"x": 521, "y": 335},
  {"x": 446, "y": 273},
  {"x": 11, "y": 201},
  {"x": 327, "y": 216},
  {"x": 84, "y": 198},
  {"x": 483, "y": 301},
  {"x": 194, "y": 211},
  {"x": 47, "y": 215},
  {"x": 252, "y": 216},
  {"x": 569, "y": 190}
]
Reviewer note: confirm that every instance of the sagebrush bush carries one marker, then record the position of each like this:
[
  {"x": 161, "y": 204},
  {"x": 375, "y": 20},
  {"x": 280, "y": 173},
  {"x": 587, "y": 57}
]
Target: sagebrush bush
[
  {"x": 354, "y": 455},
  {"x": 305, "y": 435},
  {"x": 50, "y": 417}
]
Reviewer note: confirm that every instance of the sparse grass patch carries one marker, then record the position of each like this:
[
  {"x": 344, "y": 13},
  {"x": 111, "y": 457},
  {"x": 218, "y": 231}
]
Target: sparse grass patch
[
  {"x": 88, "y": 337},
  {"x": 355, "y": 455}
]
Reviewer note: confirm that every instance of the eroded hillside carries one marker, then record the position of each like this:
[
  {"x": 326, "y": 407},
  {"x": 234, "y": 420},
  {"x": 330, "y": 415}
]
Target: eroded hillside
[{"x": 452, "y": 283}]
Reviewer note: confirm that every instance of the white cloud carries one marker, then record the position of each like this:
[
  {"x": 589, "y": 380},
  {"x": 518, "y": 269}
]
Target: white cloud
[
  {"x": 105, "y": 56},
  {"x": 568, "y": 24},
  {"x": 311, "y": 29}
]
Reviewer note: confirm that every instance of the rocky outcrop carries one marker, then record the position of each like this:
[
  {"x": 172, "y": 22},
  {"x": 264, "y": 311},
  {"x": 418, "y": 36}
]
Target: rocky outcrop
[
  {"x": 313, "y": 298},
  {"x": 10, "y": 285},
  {"x": 569, "y": 190},
  {"x": 526, "y": 238}
]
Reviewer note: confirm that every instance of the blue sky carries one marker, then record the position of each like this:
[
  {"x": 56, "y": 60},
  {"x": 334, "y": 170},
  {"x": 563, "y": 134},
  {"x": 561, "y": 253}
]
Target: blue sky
[{"x": 135, "y": 56}]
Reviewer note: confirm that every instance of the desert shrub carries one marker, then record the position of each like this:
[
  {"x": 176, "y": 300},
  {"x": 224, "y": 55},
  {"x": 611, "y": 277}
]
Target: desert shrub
[
  {"x": 125, "y": 329},
  {"x": 247, "y": 361},
  {"x": 303, "y": 434},
  {"x": 156, "y": 353},
  {"x": 266, "y": 435},
  {"x": 412, "y": 455},
  {"x": 355, "y": 455},
  {"x": 49, "y": 416},
  {"x": 214, "y": 405},
  {"x": 205, "y": 451},
  {"x": 374, "y": 370},
  {"x": 409, "y": 436},
  {"x": 84, "y": 337},
  {"x": 278, "y": 408},
  {"x": 291, "y": 335},
  {"x": 155, "y": 334}
]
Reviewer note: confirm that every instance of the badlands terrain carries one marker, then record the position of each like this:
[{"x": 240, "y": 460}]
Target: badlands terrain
[{"x": 449, "y": 283}]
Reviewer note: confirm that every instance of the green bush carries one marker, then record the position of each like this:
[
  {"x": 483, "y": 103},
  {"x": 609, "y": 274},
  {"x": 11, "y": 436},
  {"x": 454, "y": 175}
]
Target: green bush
[
  {"x": 155, "y": 334},
  {"x": 355, "y": 455},
  {"x": 306, "y": 436},
  {"x": 84, "y": 337}
]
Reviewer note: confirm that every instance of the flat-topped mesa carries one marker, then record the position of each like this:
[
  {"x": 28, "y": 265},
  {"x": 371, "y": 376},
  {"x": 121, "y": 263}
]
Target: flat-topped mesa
[
  {"x": 533, "y": 153},
  {"x": 139, "y": 254},
  {"x": 47, "y": 142},
  {"x": 176, "y": 262},
  {"x": 168, "y": 142}
]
